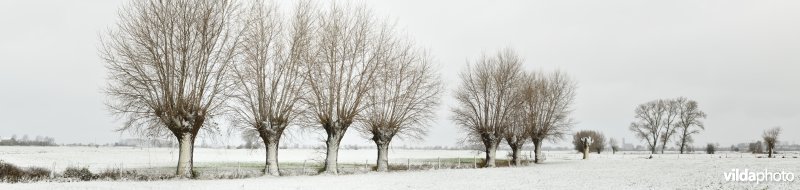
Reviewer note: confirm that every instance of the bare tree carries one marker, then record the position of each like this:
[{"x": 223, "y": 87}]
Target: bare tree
[
  {"x": 711, "y": 148},
  {"x": 598, "y": 142},
  {"x": 770, "y": 139},
  {"x": 547, "y": 102},
  {"x": 269, "y": 78},
  {"x": 614, "y": 145},
  {"x": 341, "y": 71},
  {"x": 404, "y": 101},
  {"x": 516, "y": 135},
  {"x": 485, "y": 99},
  {"x": 756, "y": 147},
  {"x": 672, "y": 112},
  {"x": 689, "y": 121},
  {"x": 650, "y": 122},
  {"x": 167, "y": 60}
]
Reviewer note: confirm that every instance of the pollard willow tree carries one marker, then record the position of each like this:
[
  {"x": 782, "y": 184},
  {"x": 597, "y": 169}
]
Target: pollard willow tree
[
  {"x": 689, "y": 122},
  {"x": 485, "y": 99},
  {"x": 771, "y": 139},
  {"x": 167, "y": 60},
  {"x": 546, "y": 104},
  {"x": 407, "y": 91},
  {"x": 340, "y": 72},
  {"x": 268, "y": 80}
]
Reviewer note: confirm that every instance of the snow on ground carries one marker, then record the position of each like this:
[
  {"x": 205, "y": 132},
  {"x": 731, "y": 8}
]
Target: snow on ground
[
  {"x": 562, "y": 170},
  {"x": 97, "y": 159}
]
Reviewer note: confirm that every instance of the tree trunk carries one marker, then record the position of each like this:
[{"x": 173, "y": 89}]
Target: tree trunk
[
  {"x": 586, "y": 152},
  {"x": 654, "y": 147},
  {"x": 332, "y": 156},
  {"x": 537, "y": 149},
  {"x": 769, "y": 155},
  {"x": 515, "y": 154},
  {"x": 491, "y": 151},
  {"x": 271, "y": 143},
  {"x": 186, "y": 149},
  {"x": 383, "y": 156},
  {"x": 683, "y": 141}
]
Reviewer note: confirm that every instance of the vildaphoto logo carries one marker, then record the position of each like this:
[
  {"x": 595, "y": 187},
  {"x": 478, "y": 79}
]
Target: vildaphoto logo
[{"x": 758, "y": 176}]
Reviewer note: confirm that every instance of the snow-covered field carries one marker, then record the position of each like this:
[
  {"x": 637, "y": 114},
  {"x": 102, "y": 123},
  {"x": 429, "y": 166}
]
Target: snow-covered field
[{"x": 562, "y": 170}]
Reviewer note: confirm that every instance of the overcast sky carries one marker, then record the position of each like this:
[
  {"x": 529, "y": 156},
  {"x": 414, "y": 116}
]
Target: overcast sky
[{"x": 738, "y": 59}]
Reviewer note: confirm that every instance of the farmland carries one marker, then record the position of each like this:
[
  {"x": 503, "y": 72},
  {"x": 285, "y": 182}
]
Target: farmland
[{"x": 430, "y": 168}]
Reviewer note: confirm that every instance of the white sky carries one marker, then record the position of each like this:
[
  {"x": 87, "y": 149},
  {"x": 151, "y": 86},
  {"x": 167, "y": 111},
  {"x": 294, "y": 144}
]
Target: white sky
[{"x": 737, "y": 58}]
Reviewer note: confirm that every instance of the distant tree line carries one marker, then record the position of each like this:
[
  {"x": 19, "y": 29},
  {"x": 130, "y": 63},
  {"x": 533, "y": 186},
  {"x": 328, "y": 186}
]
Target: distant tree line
[{"x": 26, "y": 141}]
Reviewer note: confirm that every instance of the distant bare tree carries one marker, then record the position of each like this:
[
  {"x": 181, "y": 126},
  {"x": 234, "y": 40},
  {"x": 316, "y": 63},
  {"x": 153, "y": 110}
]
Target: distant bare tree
[
  {"x": 269, "y": 78},
  {"x": 614, "y": 145},
  {"x": 404, "y": 100},
  {"x": 650, "y": 122},
  {"x": 711, "y": 148},
  {"x": 598, "y": 142},
  {"x": 756, "y": 147},
  {"x": 689, "y": 121},
  {"x": 167, "y": 60},
  {"x": 485, "y": 99},
  {"x": 672, "y": 113},
  {"x": 341, "y": 71},
  {"x": 546, "y": 101},
  {"x": 770, "y": 139}
]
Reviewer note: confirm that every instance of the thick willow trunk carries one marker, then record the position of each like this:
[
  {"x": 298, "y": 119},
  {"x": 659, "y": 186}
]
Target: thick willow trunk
[
  {"x": 271, "y": 167},
  {"x": 332, "y": 155},
  {"x": 515, "y": 154},
  {"x": 537, "y": 149},
  {"x": 185, "y": 154},
  {"x": 491, "y": 152},
  {"x": 586, "y": 152},
  {"x": 383, "y": 156}
]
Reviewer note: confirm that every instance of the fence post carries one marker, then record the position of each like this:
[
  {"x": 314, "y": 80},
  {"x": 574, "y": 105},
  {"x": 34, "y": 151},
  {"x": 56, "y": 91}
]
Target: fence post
[
  {"x": 408, "y": 164},
  {"x": 475, "y": 161},
  {"x": 459, "y": 162},
  {"x": 438, "y": 163},
  {"x": 304, "y": 168},
  {"x": 366, "y": 162}
]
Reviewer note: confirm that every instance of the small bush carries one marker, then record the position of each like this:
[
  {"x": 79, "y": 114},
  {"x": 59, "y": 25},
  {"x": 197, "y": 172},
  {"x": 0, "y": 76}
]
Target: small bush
[{"x": 82, "y": 173}]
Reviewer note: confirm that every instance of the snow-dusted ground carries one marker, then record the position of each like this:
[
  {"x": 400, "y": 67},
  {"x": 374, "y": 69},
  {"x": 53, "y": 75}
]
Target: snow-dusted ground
[
  {"x": 562, "y": 170},
  {"x": 98, "y": 159}
]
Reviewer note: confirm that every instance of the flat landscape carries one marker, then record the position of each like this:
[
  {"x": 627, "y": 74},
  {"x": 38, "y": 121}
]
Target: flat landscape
[{"x": 561, "y": 170}]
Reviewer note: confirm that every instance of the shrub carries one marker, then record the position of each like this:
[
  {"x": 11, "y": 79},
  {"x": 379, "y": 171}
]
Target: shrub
[
  {"x": 10, "y": 173},
  {"x": 13, "y": 174},
  {"x": 82, "y": 173},
  {"x": 37, "y": 173},
  {"x": 113, "y": 174}
]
